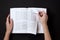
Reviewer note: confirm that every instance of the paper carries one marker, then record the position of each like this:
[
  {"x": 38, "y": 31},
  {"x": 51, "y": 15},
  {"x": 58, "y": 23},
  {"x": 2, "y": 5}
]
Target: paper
[{"x": 25, "y": 20}]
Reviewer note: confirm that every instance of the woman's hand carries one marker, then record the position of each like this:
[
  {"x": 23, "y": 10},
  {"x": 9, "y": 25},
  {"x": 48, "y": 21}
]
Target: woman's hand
[
  {"x": 43, "y": 17},
  {"x": 9, "y": 24}
]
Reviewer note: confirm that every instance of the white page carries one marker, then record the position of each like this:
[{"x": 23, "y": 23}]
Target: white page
[
  {"x": 40, "y": 27},
  {"x": 32, "y": 22},
  {"x": 19, "y": 16}
]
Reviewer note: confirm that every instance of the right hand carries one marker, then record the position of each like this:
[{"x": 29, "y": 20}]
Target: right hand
[{"x": 43, "y": 17}]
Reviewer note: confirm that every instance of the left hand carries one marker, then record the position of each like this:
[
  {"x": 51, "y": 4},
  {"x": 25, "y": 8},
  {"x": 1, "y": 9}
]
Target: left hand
[{"x": 9, "y": 25}]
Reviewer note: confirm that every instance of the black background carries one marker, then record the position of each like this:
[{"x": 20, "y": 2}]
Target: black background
[{"x": 52, "y": 11}]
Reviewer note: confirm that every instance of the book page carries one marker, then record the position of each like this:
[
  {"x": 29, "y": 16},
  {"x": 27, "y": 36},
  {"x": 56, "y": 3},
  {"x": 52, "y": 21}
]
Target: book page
[
  {"x": 32, "y": 22},
  {"x": 39, "y": 25},
  {"x": 19, "y": 16},
  {"x": 24, "y": 20}
]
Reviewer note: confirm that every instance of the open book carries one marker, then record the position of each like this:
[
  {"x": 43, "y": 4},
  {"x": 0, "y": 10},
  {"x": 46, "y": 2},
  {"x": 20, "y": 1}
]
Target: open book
[{"x": 26, "y": 20}]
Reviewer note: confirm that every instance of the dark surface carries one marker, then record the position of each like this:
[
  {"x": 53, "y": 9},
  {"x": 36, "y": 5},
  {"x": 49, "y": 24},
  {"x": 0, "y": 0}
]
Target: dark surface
[
  {"x": 27, "y": 37},
  {"x": 52, "y": 10}
]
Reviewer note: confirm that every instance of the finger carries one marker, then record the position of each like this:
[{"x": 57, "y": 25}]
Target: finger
[
  {"x": 7, "y": 20},
  {"x": 47, "y": 16},
  {"x": 40, "y": 14},
  {"x": 43, "y": 13},
  {"x": 11, "y": 22}
]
